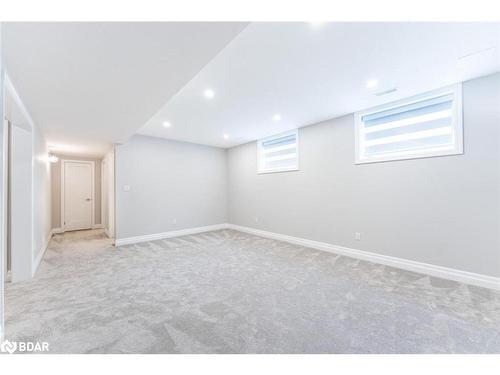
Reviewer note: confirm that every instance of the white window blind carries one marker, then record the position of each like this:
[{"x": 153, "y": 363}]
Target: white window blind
[
  {"x": 427, "y": 125},
  {"x": 278, "y": 153}
]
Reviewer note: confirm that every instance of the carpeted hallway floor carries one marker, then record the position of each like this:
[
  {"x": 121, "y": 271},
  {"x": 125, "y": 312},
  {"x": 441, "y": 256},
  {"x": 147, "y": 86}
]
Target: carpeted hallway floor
[{"x": 230, "y": 292}]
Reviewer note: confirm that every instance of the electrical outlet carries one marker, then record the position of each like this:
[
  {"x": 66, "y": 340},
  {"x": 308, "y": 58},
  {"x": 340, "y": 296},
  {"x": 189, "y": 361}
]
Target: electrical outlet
[
  {"x": 174, "y": 221},
  {"x": 357, "y": 236},
  {"x": 126, "y": 187},
  {"x": 256, "y": 219}
]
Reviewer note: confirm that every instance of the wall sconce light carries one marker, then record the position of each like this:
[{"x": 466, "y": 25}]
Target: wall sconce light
[{"x": 53, "y": 158}]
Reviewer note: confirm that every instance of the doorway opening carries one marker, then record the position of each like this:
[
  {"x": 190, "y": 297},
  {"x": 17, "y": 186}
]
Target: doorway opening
[
  {"x": 82, "y": 192},
  {"x": 77, "y": 194}
]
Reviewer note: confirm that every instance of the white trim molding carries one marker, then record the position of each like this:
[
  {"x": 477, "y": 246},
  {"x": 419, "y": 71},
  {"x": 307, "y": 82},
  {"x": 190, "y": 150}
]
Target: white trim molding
[
  {"x": 409, "y": 265},
  {"x": 41, "y": 253},
  {"x": 103, "y": 194},
  {"x": 405, "y": 264},
  {"x": 174, "y": 233}
]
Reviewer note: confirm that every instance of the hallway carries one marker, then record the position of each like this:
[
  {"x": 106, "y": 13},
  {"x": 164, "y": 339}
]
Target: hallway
[{"x": 58, "y": 297}]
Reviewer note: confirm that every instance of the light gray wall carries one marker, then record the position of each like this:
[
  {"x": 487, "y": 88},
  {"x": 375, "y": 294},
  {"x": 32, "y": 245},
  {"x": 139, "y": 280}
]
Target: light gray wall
[
  {"x": 56, "y": 188},
  {"x": 442, "y": 210},
  {"x": 2, "y": 249},
  {"x": 108, "y": 192},
  {"x": 30, "y": 179},
  {"x": 41, "y": 194},
  {"x": 168, "y": 180},
  {"x": 22, "y": 205}
]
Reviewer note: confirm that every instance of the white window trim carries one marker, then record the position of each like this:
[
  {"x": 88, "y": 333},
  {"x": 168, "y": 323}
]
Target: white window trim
[
  {"x": 278, "y": 170},
  {"x": 457, "y": 121}
]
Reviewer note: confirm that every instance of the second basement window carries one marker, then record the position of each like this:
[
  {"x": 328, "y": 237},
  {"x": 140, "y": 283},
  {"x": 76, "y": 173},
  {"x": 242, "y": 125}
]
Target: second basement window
[
  {"x": 422, "y": 126},
  {"x": 279, "y": 153}
]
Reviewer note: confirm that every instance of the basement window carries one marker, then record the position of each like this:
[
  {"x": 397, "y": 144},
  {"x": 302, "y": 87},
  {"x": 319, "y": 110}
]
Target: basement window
[
  {"x": 422, "y": 126},
  {"x": 278, "y": 153}
]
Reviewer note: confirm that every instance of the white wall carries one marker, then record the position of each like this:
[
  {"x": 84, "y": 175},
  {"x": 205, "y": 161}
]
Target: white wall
[
  {"x": 168, "y": 180},
  {"x": 41, "y": 197},
  {"x": 443, "y": 211},
  {"x": 21, "y": 203},
  {"x": 30, "y": 196},
  {"x": 108, "y": 193},
  {"x": 2, "y": 236}
]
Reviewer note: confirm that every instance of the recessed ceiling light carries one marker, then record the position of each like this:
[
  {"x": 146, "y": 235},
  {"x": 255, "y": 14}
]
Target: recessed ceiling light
[
  {"x": 371, "y": 83},
  {"x": 277, "y": 117},
  {"x": 209, "y": 93},
  {"x": 166, "y": 124},
  {"x": 316, "y": 24},
  {"x": 226, "y": 136}
]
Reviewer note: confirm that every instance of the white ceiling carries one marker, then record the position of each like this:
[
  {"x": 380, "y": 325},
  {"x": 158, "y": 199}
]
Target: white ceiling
[
  {"x": 309, "y": 72},
  {"x": 90, "y": 84}
]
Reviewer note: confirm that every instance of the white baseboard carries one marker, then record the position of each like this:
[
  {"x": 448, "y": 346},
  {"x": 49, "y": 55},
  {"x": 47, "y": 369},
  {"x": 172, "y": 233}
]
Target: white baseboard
[
  {"x": 410, "y": 265},
  {"x": 41, "y": 253},
  {"x": 61, "y": 230},
  {"x": 175, "y": 233}
]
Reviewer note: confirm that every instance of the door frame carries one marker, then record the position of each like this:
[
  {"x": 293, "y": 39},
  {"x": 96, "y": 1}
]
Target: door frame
[
  {"x": 11, "y": 101},
  {"x": 5, "y": 197},
  {"x": 103, "y": 194},
  {"x": 92, "y": 193}
]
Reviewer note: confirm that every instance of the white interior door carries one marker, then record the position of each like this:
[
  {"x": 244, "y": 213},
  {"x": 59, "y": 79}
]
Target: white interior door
[{"x": 78, "y": 186}]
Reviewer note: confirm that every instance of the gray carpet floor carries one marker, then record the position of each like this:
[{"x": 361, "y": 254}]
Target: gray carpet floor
[{"x": 230, "y": 292}]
